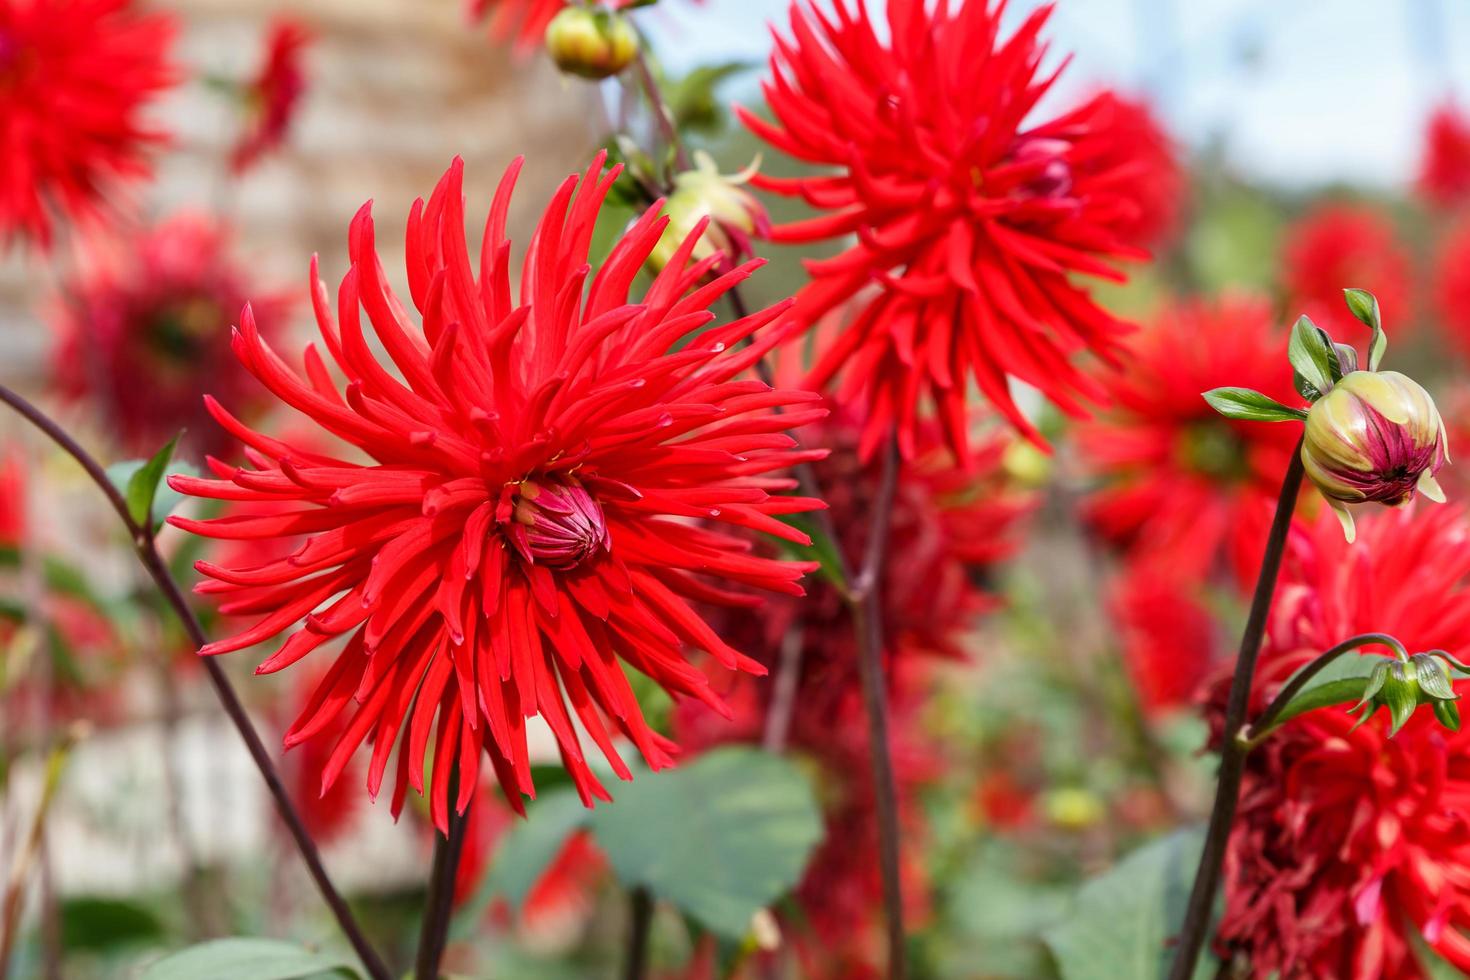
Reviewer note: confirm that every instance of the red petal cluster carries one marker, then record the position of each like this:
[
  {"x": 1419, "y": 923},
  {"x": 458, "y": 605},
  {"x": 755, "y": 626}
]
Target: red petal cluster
[
  {"x": 12, "y": 497},
  {"x": 511, "y": 403},
  {"x": 971, "y": 219},
  {"x": 1179, "y": 481},
  {"x": 74, "y": 78},
  {"x": 144, "y": 333},
  {"x": 1168, "y": 636},
  {"x": 1143, "y": 167},
  {"x": 1349, "y": 842},
  {"x": 1444, "y": 167},
  {"x": 1452, "y": 285},
  {"x": 1339, "y": 245},
  {"x": 520, "y": 22},
  {"x": 273, "y": 95}
]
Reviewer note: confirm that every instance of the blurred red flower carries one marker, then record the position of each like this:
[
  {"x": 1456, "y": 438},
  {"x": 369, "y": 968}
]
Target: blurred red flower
[
  {"x": 972, "y": 221},
  {"x": 12, "y": 496},
  {"x": 1143, "y": 165},
  {"x": 520, "y": 22},
  {"x": 273, "y": 95},
  {"x": 1178, "y": 479},
  {"x": 328, "y": 813},
  {"x": 950, "y": 524},
  {"x": 75, "y": 76},
  {"x": 1452, "y": 285},
  {"x": 1444, "y": 167},
  {"x": 1168, "y": 635},
  {"x": 1346, "y": 841},
  {"x": 552, "y": 488},
  {"x": 1335, "y": 246},
  {"x": 145, "y": 332}
]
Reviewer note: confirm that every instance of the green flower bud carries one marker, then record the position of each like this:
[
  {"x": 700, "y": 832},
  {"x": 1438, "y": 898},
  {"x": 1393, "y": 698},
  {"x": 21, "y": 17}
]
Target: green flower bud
[
  {"x": 735, "y": 214},
  {"x": 1403, "y": 685},
  {"x": 590, "y": 42},
  {"x": 1374, "y": 436}
]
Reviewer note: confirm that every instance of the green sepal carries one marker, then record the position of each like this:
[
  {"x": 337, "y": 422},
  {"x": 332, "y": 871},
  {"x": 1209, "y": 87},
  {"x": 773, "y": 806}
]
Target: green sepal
[
  {"x": 1400, "y": 695},
  {"x": 1313, "y": 359},
  {"x": 1448, "y": 714},
  {"x": 1247, "y": 405},
  {"x": 1433, "y": 680}
]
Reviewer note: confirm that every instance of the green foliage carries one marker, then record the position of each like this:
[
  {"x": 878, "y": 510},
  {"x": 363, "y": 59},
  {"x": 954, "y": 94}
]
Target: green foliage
[
  {"x": 1340, "y": 682},
  {"x": 1122, "y": 920},
  {"x": 143, "y": 482},
  {"x": 96, "y": 924},
  {"x": 1247, "y": 405},
  {"x": 1313, "y": 358},
  {"x": 692, "y": 98},
  {"x": 248, "y": 959}
]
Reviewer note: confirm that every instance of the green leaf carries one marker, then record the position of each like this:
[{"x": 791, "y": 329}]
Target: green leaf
[
  {"x": 98, "y": 924},
  {"x": 145, "y": 488},
  {"x": 247, "y": 959},
  {"x": 1250, "y": 406},
  {"x": 1342, "y": 681},
  {"x": 1121, "y": 921},
  {"x": 524, "y": 854},
  {"x": 1364, "y": 306},
  {"x": 1312, "y": 356},
  {"x": 721, "y": 838}
]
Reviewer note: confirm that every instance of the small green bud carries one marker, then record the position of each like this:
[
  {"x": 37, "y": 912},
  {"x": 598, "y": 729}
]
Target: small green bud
[
  {"x": 703, "y": 192},
  {"x": 1403, "y": 685},
  {"x": 591, "y": 42}
]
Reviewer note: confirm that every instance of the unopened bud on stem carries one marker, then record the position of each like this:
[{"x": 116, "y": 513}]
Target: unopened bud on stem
[{"x": 590, "y": 42}]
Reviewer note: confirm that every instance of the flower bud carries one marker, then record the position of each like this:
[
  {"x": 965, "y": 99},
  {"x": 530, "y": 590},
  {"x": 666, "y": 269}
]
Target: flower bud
[
  {"x": 591, "y": 42},
  {"x": 556, "y": 524},
  {"x": 735, "y": 214},
  {"x": 1403, "y": 685},
  {"x": 1375, "y": 435}
]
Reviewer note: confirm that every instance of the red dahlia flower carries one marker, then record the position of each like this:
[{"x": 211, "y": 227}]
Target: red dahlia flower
[
  {"x": 12, "y": 496},
  {"x": 1144, "y": 166},
  {"x": 1444, "y": 168},
  {"x": 1452, "y": 285},
  {"x": 145, "y": 332},
  {"x": 972, "y": 218},
  {"x": 74, "y": 78},
  {"x": 1179, "y": 481},
  {"x": 1339, "y": 245},
  {"x": 273, "y": 95},
  {"x": 1167, "y": 633},
  {"x": 555, "y": 480},
  {"x": 520, "y": 22},
  {"x": 1347, "y": 841}
]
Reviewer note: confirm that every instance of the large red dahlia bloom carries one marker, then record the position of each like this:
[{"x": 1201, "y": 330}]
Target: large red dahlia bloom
[
  {"x": 555, "y": 480},
  {"x": 1143, "y": 166},
  {"x": 1452, "y": 285},
  {"x": 273, "y": 95},
  {"x": 1347, "y": 842},
  {"x": 1339, "y": 245},
  {"x": 1179, "y": 481},
  {"x": 972, "y": 218},
  {"x": 145, "y": 332},
  {"x": 74, "y": 78},
  {"x": 1444, "y": 168}
]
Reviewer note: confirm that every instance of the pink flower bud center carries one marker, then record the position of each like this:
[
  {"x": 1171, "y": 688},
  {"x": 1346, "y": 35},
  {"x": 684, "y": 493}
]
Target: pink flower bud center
[
  {"x": 556, "y": 523},
  {"x": 1053, "y": 176}
]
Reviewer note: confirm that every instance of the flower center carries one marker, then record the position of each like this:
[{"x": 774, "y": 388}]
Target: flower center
[
  {"x": 1053, "y": 177},
  {"x": 1214, "y": 450},
  {"x": 556, "y": 523}
]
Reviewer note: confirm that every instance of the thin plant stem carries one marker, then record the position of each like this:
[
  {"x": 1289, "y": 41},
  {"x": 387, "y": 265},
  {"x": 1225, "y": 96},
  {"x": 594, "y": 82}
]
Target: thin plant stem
[
  {"x": 640, "y": 926},
  {"x": 867, "y": 614},
  {"x": 660, "y": 106},
  {"x": 147, "y": 551},
  {"x": 1232, "y": 751},
  {"x": 1260, "y": 729},
  {"x": 15, "y": 885},
  {"x": 784, "y": 687},
  {"x": 434, "y": 933}
]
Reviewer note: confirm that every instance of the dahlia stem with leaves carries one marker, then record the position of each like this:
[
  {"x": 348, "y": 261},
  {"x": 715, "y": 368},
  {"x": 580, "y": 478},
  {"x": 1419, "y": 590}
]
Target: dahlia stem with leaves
[{"x": 135, "y": 510}]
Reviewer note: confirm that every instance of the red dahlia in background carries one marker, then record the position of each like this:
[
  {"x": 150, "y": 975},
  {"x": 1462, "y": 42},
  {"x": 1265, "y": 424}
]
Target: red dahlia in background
[
  {"x": 554, "y": 481},
  {"x": 1444, "y": 168},
  {"x": 1347, "y": 843},
  {"x": 521, "y": 22},
  {"x": 1169, "y": 638},
  {"x": 1339, "y": 245},
  {"x": 973, "y": 217},
  {"x": 1452, "y": 285},
  {"x": 75, "y": 76},
  {"x": 144, "y": 332},
  {"x": 272, "y": 97},
  {"x": 1180, "y": 484},
  {"x": 1143, "y": 167}
]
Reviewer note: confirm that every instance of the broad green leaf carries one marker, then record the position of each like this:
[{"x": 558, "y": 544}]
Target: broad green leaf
[
  {"x": 721, "y": 837},
  {"x": 1312, "y": 356},
  {"x": 95, "y": 923},
  {"x": 1250, "y": 406},
  {"x": 145, "y": 486},
  {"x": 1340, "y": 682},
  {"x": 1121, "y": 921},
  {"x": 247, "y": 959},
  {"x": 525, "y": 853}
]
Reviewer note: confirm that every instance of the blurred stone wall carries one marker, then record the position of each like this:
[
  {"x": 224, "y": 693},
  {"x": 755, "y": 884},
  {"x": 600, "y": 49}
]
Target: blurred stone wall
[{"x": 398, "y": 87}]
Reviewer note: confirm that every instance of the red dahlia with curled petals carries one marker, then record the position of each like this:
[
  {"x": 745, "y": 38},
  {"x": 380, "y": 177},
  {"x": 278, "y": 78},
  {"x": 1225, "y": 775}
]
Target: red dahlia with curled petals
[
  {"x": 1340, "y": 245},
  {"x": 75, "y": 76},
  {"x": 273, "y": 95},
  {"x": 973, "y": 217},
  {"x": 1348, "y": 843},
  {"x": 144, "y": 332},
  {"x": 1444, "y": 168},
  {"x": 520, "y": 22},
  {"x": 559, "y": 474},
  {"x": 1178, "y": 484}
]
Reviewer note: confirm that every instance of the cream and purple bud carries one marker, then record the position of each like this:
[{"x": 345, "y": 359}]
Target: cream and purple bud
[
  {"x": 1374, "y": 436},
  {"x": 735, "y": 214},
  {"x": 591, "y": 42},
  {"x": 556, "y": 523}
]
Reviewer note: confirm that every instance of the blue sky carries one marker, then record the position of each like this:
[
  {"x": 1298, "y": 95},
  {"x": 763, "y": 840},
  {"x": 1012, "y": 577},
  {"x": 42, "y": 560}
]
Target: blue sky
[{"x": 1299, "y": 92}]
